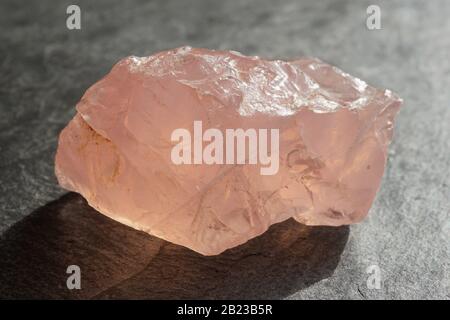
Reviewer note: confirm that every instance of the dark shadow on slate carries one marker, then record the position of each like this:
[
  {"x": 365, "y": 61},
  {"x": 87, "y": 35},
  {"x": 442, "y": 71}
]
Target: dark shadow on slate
[{"x": 119, "y": 262}]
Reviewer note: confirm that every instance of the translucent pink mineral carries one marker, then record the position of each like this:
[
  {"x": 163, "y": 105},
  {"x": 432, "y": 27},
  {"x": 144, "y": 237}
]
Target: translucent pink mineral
[{"x": 334, "y": 131}]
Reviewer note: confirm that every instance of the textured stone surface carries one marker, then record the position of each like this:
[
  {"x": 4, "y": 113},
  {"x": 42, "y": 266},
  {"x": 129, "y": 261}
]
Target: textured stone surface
[
  {"x": 120, "y": 262},
  {"x": 333, "y": 131},
  {"x": 46, "y": 68}
]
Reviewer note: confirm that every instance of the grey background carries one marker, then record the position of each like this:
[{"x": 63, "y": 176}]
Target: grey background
[{"x": 46, "y": 68}]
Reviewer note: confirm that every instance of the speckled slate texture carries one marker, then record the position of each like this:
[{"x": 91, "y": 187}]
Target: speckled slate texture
[{"x": 46, "y": 68}]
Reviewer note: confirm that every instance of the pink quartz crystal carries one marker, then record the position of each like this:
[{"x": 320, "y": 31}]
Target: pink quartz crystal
[{"x": 334, "y": 131}]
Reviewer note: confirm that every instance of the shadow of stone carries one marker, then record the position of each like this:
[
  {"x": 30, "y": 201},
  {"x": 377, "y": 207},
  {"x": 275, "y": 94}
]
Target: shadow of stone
[{"x": 119, "y": 262}]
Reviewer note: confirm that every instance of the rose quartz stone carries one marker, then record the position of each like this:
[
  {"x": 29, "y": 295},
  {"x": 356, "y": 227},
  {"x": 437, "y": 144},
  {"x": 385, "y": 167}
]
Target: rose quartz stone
[{"x": 334, "y": 132}]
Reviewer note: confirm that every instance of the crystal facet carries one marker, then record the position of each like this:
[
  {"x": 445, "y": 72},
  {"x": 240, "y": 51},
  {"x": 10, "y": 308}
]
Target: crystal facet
[{"x": 334, "y": 131}]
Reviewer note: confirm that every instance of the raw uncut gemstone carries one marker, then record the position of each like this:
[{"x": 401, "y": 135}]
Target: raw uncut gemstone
[{"x": 334, "y": 131}]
